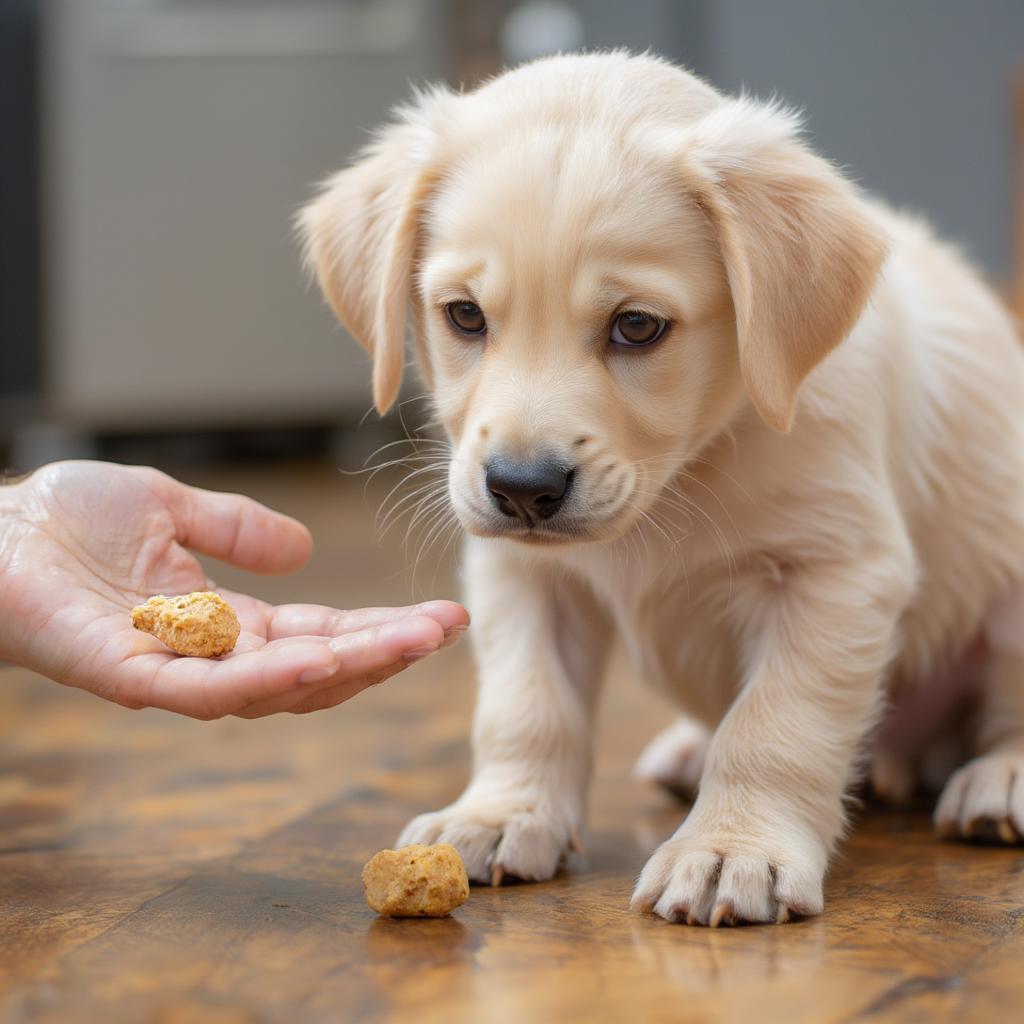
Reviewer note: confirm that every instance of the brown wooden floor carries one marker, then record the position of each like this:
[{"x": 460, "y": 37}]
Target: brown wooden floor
[{"x": 154, "y": 868}]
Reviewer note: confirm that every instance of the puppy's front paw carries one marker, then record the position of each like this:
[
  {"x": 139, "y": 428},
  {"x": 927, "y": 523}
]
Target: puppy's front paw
[
  {"x": 985, "y": 800},
  {"x": 711, "y": 877},
  {"x": 521, "y": 841}
]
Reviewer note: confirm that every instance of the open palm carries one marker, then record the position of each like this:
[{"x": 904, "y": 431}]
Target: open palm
[{"x": 81, "y": 543}]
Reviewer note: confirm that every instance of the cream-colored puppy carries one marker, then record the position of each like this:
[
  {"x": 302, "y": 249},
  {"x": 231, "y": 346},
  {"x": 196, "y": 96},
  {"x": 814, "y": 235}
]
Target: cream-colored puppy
[{"x": 702, "y": 393}]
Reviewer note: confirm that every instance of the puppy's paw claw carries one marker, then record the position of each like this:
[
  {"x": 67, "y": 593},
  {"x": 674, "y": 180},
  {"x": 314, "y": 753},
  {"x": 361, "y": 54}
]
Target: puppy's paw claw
[
  {"x": 724, "y": 913},
  {"x": 575, "y": 843},
  {"x": 984, "y": 800}
]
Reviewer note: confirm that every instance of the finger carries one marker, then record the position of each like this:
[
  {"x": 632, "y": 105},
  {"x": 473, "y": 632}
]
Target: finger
[
  {"x": 293, "y": 667},
  {"x": 319, "y": 620},
  {"x": 328, "y": 697},
  {"x": 204, "y": 688},
  {"x": 240, "y": 531},
  {"x": 365, "y": 658},
  {"x": 332, "y": 696}
]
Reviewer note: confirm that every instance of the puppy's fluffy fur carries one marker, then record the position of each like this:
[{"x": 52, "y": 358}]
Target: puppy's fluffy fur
[{"x": 804, "y": 502}]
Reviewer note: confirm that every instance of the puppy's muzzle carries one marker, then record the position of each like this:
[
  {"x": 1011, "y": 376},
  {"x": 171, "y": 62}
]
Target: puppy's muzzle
[{"x": 528, "y": 491}]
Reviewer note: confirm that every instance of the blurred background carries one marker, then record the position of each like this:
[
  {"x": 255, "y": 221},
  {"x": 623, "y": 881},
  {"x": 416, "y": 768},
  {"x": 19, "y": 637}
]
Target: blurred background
[
  {"x": 153, "y": 309},
  {"x": 154, "y": 152}
]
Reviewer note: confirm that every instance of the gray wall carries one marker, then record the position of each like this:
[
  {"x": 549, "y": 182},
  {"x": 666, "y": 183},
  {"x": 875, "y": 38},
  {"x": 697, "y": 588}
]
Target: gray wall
[
  {"x": 913, "y": 97},
  {"x": 180, "y": 140}
]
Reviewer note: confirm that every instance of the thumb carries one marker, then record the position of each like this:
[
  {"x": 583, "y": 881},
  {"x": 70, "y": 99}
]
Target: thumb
[{"x": 240, "y": 531}]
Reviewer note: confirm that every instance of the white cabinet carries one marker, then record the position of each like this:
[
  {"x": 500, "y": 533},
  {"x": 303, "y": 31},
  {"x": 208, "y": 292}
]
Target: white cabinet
[{"x": 179, "y": 139}]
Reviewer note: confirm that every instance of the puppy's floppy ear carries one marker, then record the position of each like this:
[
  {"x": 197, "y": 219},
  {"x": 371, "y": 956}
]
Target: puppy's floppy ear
[
  {"x": 360, "y": 235},
  {"x": 800, "y": 247}
]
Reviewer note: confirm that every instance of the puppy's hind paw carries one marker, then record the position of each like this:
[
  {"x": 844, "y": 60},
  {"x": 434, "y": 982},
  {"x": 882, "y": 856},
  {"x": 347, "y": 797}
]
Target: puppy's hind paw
[
  {"x": 985, "y": 800},
  {"x": 674, "y": 759}
]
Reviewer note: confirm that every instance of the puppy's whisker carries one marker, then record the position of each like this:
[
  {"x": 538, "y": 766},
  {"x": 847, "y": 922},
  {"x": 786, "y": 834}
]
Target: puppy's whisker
[
  {"x": 414, "y": 442},
  {"x": 432, "y": 464},
  {"x": 648, "y": 515},
  {"x": 416, "y": 498},
  {"x": 432, "y": 467},
  {"x": 426, "y": 509},
  {"x": 427, "y": 524},
  {"x": 710, "y": 490},
  {"x": 404, "y": 503},
  {"x": 666, "y": 527},
  {"x": 413, "y": 505},
  {"x": 659, "y": 500},
  {"x": 703, "y": 461},
  {"x": 718, "y": 535},
  {"x": 455, "y": 531},
  {"x": 441, "y": 521}
]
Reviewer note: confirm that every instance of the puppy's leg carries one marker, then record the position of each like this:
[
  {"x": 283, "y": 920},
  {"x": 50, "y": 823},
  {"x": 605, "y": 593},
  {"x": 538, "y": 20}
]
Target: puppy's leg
[
  {"x": 770, "y": 808},
  {"x": 985, "y": 798},
  {"x": 674, "y": 759},
  {"x": 541, "y": 645}
]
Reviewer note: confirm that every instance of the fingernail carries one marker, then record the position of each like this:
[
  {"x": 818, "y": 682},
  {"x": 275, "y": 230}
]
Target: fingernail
[
  {"x": 452, "y": 635},
  {"x": 419, "y": 652},
  {"x": 316, "y": 675}
]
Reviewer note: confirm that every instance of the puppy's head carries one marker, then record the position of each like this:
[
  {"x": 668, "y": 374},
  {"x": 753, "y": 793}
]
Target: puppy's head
[{"x": 607, "y": 263}]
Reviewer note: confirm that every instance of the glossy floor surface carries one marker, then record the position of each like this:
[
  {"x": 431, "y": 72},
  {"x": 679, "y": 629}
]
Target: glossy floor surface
[{"x": 158, "y": 869}]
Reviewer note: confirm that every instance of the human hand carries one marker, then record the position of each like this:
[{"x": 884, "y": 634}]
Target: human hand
[{"x": 81, "y": 543}]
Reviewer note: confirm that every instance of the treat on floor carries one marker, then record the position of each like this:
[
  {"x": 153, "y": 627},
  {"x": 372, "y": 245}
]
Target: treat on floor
[{"x": 416, "y": 881}]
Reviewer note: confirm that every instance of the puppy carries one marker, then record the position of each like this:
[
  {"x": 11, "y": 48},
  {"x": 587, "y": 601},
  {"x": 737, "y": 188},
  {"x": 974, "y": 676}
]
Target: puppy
[{"x": 703, "y": 394}]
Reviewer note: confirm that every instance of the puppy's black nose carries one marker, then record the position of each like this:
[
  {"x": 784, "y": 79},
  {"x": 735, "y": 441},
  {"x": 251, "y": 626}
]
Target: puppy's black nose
[{"x": 527, "y": 490}]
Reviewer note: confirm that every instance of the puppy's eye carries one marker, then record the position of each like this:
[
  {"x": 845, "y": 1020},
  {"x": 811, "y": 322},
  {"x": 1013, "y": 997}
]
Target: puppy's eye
[
  {"x": 466, "y": 317},
  {"x": 635, "y": 329}
]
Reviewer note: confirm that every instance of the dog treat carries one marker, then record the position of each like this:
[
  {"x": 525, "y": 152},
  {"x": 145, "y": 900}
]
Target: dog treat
[
  {"x": 416, "y": 881},
  {"x": 201, "y": 625}
]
